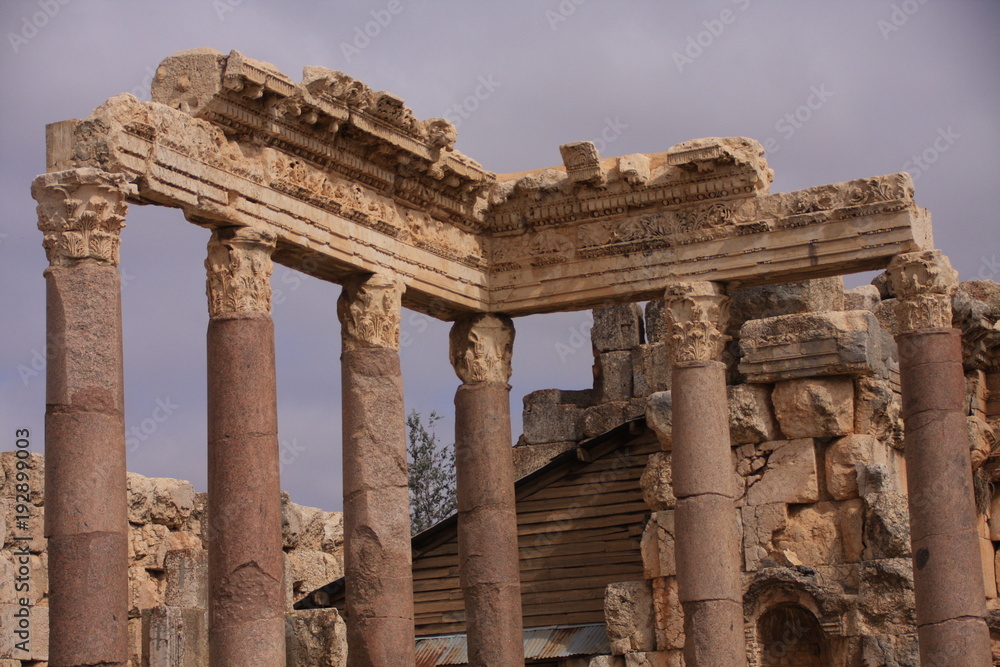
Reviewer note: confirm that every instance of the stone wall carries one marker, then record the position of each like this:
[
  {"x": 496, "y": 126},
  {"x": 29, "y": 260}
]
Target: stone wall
[
  {"x": 168, "y": 570},
  {"x": 817, "y": 451}
]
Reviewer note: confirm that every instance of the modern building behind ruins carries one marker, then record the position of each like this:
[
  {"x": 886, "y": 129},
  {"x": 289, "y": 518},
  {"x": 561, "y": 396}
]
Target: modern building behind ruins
[{"x": 818, "y": 488}]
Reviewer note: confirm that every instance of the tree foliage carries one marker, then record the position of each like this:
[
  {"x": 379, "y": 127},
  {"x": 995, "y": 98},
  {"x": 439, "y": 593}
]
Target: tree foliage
[{"x": 432, "y": 474}]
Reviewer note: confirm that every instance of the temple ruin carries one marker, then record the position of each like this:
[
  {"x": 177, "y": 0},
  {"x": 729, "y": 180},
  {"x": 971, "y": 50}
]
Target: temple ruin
[{"x": 798, "y": 457}]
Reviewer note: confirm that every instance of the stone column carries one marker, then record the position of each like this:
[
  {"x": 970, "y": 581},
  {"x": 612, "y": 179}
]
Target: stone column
[
  {"x": 81, "y": 213},
  {"x": 378, "y": 564},
  {"x": 707, "y": 544},
  {"x": 481, "y": 347},
  {"x": 947, "y": 571},
  {"x": 245, "y": 560}
]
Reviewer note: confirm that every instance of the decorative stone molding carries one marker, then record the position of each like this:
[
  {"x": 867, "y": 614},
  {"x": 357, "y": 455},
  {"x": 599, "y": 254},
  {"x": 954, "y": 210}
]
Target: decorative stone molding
[
  {"x": 239, "y": 271},
  {"x": 696, "y": 315},
  {"x": 369, "y": 311},
  {"x": 81, "y": 212},
  {"x": 923, "y": 283},
  {"x": 481, "y": 347}
]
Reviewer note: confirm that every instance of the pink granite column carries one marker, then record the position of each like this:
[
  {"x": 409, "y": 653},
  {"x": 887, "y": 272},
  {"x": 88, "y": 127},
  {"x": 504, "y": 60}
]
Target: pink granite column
[
  {"x": 481, "y": 348},
  {"x": 245, "y": 560},
  {"x": 947, "y": 571},
  {"x": 709, "y": 580},
  {"x": 81, "y": 213},
  {"x": 378, "y": 564}
]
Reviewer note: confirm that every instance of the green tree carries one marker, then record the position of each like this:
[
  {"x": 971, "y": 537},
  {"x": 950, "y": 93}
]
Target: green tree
[{"x": 431, "y": 472}]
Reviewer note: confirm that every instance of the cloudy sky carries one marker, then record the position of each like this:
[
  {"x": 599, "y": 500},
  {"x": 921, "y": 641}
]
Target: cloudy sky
[{"x": 835, "y": 90}]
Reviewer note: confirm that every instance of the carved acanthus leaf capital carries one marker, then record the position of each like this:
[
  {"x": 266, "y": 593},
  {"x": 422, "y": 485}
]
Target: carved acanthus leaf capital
[
  {"x": 481, "y": 347},
  {"x": 239, "y": 271},
  {"x": 924, "y": 283},
  {"x": 81, "y": 213},
  {"x": 369, "y": 310},
  {"x": 696, "y": 315}
]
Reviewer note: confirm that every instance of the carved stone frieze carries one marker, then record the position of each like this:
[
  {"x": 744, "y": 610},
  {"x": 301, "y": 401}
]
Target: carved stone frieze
[
  {"x": 239, "y": 272},
  {"x": 81, "y": 213},
  {"x": 481, "y": 347},
  {"x": 923, "y": 283},
  {"x": 369, "y": 309},
  {"x": 695, "y": 316}
]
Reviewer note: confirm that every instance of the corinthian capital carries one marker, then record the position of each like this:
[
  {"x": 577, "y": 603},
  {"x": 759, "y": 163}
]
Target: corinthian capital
[
  {"x": 481, "y": 347},
  {"x": 369, "y": 310},
  {"x": 239, "y": 271},
  {"x": 924, "y": 284},
  {"x": 81, "y": 213},
  {"x": 695, "y": 314}
]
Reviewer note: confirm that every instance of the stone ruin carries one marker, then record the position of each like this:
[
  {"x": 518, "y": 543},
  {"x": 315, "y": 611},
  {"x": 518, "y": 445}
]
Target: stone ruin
[{"x": 331, "y": 178}]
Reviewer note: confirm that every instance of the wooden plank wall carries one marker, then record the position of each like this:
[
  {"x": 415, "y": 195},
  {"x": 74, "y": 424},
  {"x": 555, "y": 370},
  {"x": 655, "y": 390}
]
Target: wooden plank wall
[{"x": 578, "y": 532}]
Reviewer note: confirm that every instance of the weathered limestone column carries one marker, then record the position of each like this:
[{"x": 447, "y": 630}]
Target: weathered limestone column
[
  {"x": 481, "y": 347},
  {"x": 378, "y": 564},
  {"x": 947, "y": 571},
  {"x": 81, "y": 213},
  {"x": 707, "y": 544},
  {"x": 245, "y": 561}
]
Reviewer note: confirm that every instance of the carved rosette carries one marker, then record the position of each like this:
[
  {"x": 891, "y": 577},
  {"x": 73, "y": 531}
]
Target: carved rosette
[
  {"x": 81, "y": 212},
  {"x": 481, "y": 347},
  {"x": 369, "y": 310},
  {"x": 695, "y": 314},
  {"x": 924, "y": 283},
  {"x": 239, "y": 271}
]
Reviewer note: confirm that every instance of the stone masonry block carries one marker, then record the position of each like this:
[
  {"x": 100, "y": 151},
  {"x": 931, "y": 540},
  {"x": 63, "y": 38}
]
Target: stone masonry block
[
  {"x": 628, "y": 612},
  {"x": 791, "y": 474},
  {"x": 815, "y": 407},
  {"x": 617, "y": 327}
]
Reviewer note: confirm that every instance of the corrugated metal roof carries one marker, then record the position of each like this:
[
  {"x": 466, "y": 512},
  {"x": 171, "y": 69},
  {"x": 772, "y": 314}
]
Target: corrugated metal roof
[{"x": 555, "y": 641}]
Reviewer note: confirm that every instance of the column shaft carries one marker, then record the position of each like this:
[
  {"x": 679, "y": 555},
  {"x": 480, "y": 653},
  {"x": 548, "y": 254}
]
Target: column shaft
[
  {"x": 245, "y": 559},
  {"x": 81, "y": 213},
  {"x": 487, "y": 525},
  {"x": 947, "y": 571},
  {"x": 378, "y": 562}
]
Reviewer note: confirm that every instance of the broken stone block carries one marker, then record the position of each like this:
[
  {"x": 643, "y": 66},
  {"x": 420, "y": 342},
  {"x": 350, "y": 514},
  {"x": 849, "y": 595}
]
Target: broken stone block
[
  {"x": 657, "y": 546},
  {"x": 790, "y": 475},
  {"x": 887, "y": 526},
  {"x": 865, "y": 297},
  {"x": 140, "y": 499},
  {"x": 178, "y": 637},
  {"x": 529, "y": 458},
  {"x": 751, "y": 417},
  {"x": 291, "y": 522},
  {"x": 308, "y": 570},
  {"x": 878, "y": 411},
  {"x": 635, "y": 168},
  {"x": 145, "y": 590},
  {"x": 315, "y": 637},
  {"x": 789, "y": 347},
  {"x": 669, "y": 617},
  {"x": 583, "y": 163},
  {"x": 656, "y": 482},
  {"x": 553, "y": 415},
  {"x": 809, "y": 296},
  {"x": 976, "y": 393},
  {"x": 885, "y": 313},
  {"x": 186, "y": 582},
  {"x": 647, "y": 659},
  {"x": 650, "y": 369},
  {"x": 823, "y": 533},
  {"x": 613, "y": 376},
  {"x": 148, "y": 546},
  {"x": 602, "y": 418},
  {"x": 760, "y": 522},
  {"x": 814, "y": 407},
  {"x": 989, "y": 556},
  {"x": 994, "y": 522},
  {"x": 982, "y": 438},
  {"x": 655, "y": 321},
  {"x": 173, "y": 502},
  {"x": 659, "y": 417},
  {"x": 628, "y": 613},
  {"x": 847, "y": 458},
  {"x": 900, "y": 650},
  {"x": 617, "y": 327}
]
